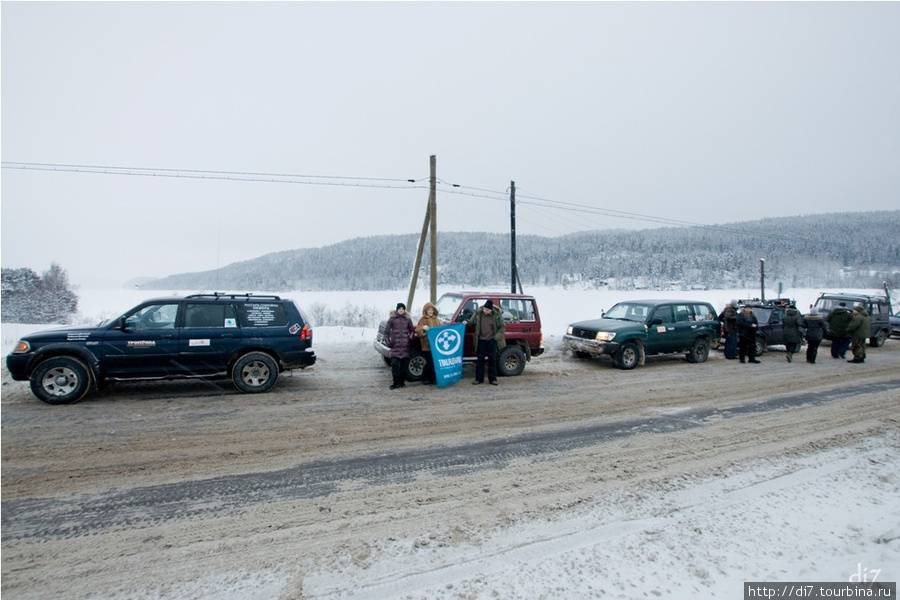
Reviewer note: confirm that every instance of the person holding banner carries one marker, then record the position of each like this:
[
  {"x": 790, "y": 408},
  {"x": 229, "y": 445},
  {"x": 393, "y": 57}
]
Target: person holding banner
[
  {"x": 429, "y": 319},
  {"x": 398, "y": 333},
  {"x": 489, "y": 338}
]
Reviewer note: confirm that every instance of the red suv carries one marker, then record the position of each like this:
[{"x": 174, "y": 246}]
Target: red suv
[{"x": 523, "y": 330}]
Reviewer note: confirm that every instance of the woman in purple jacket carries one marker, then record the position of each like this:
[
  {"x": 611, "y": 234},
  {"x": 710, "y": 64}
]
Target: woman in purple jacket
[{"x": 398, "y": 333}]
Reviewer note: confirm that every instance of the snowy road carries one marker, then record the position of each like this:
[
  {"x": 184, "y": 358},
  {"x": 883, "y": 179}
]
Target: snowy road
[{"x": 574, "y": 480}]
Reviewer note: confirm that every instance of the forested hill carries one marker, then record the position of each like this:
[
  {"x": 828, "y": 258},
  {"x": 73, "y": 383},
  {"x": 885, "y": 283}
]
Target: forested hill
[{"x": 846, "y": 249}]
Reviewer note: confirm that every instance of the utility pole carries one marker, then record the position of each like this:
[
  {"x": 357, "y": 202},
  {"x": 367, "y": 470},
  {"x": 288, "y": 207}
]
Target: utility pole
[
  {"x": 762, "y": 279},
  {"x": 432, "y": 209},
  {"x": 512, "y": 231},
  {"x": 430, "y": 222}
]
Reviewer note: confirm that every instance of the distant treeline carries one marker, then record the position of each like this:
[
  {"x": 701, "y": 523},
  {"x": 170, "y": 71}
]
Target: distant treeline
[{"x": 858, "y": 250}]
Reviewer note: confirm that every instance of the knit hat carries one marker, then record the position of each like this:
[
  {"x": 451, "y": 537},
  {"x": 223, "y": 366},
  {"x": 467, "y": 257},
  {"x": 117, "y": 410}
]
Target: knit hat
[
  {"x": 401, "y": 305},
  {"x": 489, "y": 304},
  {"x": 734, "y": 303},
  {"x": 813, "y": 311}
]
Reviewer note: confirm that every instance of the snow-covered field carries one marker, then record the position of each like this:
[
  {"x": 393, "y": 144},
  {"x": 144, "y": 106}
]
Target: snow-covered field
[{"x": 830, "y": 516}]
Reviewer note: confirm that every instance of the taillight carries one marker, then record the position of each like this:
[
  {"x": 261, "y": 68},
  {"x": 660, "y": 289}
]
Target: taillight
[{"x": 306, "y": 333}]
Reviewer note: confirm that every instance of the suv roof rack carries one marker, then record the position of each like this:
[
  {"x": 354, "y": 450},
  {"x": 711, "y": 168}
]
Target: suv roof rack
[
  {"x": 770, "y": 302},
  {"x": 217, "y": 295},
  {"x": 869, "y": 297}
]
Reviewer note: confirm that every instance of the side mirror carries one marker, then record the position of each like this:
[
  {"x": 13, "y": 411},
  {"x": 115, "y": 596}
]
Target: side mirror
[{"x": 656, "y": 321}]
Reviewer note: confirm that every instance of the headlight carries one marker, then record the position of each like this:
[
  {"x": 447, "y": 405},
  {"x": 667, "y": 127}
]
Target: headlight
[
  {"x": 22, "y": 347},
  {"x": 570, "y": 330},
  {"x": 605, "y": 336}
]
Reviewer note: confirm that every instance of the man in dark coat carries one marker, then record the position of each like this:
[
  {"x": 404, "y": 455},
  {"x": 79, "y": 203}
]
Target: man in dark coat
[
  {"x": 793, "y": 337},
  {"x": 814, "y": 325},
  {"x": 859, "y": 330},
  {"x": 838, "y": 320},
  {"x": 728, "y": 317},
  {"x": 490, "y": 338},
  {"x": 747, "y": 325},
  {"x": 398, "y": 333}
]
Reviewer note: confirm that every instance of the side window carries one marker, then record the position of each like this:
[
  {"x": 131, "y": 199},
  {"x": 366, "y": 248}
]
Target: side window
[
  {"x": 155, "y": 316},
  {"x": 703, "y": 312},
  {"x": 664, "y": 313},
  {"x": 878, "y": 309},
  {"x": 209, "y": 314},
  {"x": 516, "y": 310},
  {"x": 682, "y": 313},
  {"x": 262, "y": 314}
]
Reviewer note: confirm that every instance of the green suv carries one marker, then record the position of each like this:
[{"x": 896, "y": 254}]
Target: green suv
[{"x": 631, "y": 330}]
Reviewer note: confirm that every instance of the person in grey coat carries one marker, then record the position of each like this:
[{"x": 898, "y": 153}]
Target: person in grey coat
[
  {"x": 793, "y": 337},
  {"x": 815, "y": 327}
]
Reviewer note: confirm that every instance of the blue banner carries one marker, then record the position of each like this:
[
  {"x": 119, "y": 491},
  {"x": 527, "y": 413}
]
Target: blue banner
[{"x": 446, "y": 352}]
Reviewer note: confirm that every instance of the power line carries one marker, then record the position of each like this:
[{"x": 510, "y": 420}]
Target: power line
[{"x": 347, "y": 181}]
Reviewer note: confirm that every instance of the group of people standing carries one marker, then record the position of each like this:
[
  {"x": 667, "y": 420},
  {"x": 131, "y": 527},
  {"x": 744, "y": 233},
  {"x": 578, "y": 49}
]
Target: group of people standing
[
  {"x": 845, "y": 328},
  {"x": 399, "y": 333}
]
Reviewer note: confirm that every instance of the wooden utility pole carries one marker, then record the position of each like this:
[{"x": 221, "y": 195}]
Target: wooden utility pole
[
  {"x": 512, "y": 231},
  {"x": 430, "y": 222},
  {"x": 762, "y": 279}
]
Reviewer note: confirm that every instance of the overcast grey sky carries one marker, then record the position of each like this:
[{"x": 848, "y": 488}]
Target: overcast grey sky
[{"x": 698, "y": 112}]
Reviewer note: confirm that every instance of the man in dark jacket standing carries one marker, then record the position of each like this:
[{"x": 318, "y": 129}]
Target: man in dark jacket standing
[
  {"x": 728, "y": 317},
  {"x": 793, "y": 337},
  {"x": 490, "y": 338},
  {"x": 814, "y": 325},
  {"x": 838, "y": 320},
  {"x": 398, "y": 333},
  {"x": 747, "y": 325},
  {"x": 859, "y": 330}
]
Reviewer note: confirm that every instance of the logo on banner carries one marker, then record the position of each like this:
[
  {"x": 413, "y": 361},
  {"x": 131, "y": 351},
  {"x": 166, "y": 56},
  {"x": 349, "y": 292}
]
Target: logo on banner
[
  {"x": 448, "y": 342},
  {"x": 447, "y": 349}
]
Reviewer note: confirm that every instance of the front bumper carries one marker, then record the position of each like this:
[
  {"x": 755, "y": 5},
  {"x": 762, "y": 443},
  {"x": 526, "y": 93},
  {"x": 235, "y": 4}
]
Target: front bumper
[{"x": 592, "y": 347}]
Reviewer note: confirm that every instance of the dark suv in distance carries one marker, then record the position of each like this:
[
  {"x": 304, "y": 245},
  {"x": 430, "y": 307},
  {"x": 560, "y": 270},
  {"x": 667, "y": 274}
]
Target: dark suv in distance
[
  {"x": 878, "y": 307},
  {"x": 770, "y": 317},
  {"x": 249, "y": 338},
  {"x": 524, "y": 338},
  {"x": 631, "y": 330}
]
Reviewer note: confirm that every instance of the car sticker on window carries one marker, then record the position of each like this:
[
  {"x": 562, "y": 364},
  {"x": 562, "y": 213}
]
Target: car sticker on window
[
  {"x": 294, "y": 328},
  {"x": 660, "y": 329},
  {"x": 231, "y": 322},
  {"x": 198, "y": 342},
  {"x": 141, "y": 343}
]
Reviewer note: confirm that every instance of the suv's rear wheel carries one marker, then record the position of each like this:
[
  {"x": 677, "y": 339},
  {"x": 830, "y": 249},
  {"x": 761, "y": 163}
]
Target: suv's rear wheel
[
  {"x": 877, "y": 340},
  {"x": 512, "y": 361},
  {"x": 254, "y": 372},
  {"x": 699, "y": 351},
  {"x": 60, "y": 380},
  {"x": 628, "y": 356}
]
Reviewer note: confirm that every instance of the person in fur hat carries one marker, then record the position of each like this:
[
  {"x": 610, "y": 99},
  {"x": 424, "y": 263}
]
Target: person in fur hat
[{"x": 428, "y": 320}]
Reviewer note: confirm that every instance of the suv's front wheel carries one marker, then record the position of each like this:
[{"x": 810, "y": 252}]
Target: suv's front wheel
[
  {"x": 628, "y": 356},
  {"x": 254, "y": 372},
  {"x": 60, "y": 380},
  {"x": 877, "y": 340}
]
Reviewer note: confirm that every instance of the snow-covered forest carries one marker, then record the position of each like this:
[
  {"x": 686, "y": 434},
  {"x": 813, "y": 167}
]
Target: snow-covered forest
[{"x": 833, "y": 250}]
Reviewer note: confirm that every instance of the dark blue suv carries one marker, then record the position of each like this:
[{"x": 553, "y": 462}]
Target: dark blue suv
[{"x": 249, "y": 338}]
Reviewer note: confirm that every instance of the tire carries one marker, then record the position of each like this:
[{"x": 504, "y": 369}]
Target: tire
[
  {"x": 415, "y": 370},
  {"x": 254, "y": 372},
  {"x": 761, "y": 345},
  {"x": 877, "y": 340},
  {"x": 699, "y": 351},
  {"x": 628, "y": 356},
  {"x": 60, "y": 380},
  {"x": 511, "y": 361}
]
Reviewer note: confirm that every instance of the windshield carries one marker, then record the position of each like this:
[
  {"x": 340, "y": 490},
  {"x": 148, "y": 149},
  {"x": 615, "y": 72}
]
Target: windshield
[
  {"x": 447, "y": 305},
  {"x": 629, "y": 311}
]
